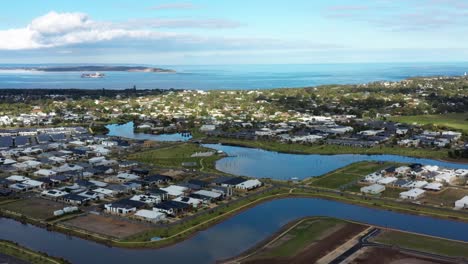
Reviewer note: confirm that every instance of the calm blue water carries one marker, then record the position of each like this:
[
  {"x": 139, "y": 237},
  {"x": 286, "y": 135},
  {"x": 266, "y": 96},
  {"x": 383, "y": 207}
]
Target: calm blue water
[
  {"x": 234, "y": 76},
  {"x": 268, "y": 164},
  {"x": 228, "y": 238},
  {"x": 126, "y": 130}
]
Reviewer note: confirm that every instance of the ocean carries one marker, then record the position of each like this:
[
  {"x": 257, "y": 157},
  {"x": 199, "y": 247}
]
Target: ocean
[{"x": 245, "y": 77}]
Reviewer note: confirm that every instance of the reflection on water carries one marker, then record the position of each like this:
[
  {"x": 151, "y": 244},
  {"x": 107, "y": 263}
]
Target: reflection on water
[{"x": 126, "y": 131}]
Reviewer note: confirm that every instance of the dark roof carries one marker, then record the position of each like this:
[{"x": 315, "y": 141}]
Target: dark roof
[
  {"x": 127, "y": 203},
  {"x": 21, "y": 140},
  {"x": 167, "y": 205},
  {"x": 156, "y": 191},
  {"x": 198, "y": 182},
  {"x": 85, "y": 183},
  {"x": 139, "y": 171},
  {"x": 157, "y": 178},
  {"x": 234, "y": 181},
  {"x": 58, "y": 137},
  {"x": 6, "y": 142},
  {"x": 75, "y": 197}
]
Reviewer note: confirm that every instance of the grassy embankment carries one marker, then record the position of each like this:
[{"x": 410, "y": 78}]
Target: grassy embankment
[
  {"x": 335, "y": 149},
  {"x": 303, "y": 234},
  {"x": 457, "y": 121},
  {"x": 424, "y": 243},
  {"x": 19, "y": 252},
  {"x": 174, "y": 155},
  {"x": 348, "y": 174}
]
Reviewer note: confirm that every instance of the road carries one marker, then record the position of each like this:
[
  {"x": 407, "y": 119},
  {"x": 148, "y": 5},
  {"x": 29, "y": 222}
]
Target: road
[{"x": 364, "y": 241}]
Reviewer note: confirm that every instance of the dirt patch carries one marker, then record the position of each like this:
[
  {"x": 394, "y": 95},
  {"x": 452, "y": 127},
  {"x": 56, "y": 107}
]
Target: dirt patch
[
  {"x": 392, "y": 256},
  {"x": 319, "y": 249},
  {"x": 107, "y": 225},
  {"x": 36, "y": 208}
]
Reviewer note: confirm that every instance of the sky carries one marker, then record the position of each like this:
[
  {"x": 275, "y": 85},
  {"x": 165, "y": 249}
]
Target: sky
[{"x": 203, "y": 32}]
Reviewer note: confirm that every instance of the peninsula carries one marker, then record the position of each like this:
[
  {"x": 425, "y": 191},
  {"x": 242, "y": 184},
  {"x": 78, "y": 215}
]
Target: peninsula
[{"x": 93, "y": 68}]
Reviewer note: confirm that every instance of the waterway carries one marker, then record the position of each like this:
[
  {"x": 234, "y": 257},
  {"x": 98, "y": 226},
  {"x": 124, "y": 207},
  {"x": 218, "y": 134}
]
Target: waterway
[
  {"x": 127, "y": 131},
  {"x": 228, "y": 238}
]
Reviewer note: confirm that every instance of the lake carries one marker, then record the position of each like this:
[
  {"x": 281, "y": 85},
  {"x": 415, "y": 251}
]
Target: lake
[
  {"x": 260, "y": 163},
  {"x": 126, "y": 131},
  {"x": 228, "y": 238},
  {"x": 209, "y": 77}
]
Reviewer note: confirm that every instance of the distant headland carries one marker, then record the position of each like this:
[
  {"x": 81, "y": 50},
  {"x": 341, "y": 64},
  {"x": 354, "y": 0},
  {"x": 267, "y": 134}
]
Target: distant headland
[{"x": 92, "y": 69}]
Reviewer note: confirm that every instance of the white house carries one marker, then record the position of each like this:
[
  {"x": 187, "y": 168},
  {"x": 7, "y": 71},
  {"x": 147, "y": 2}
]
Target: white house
[
  {"x": 387, "y": 180},
  {"x": 462, "y": 203},
  {"x": 373, "y": 189},
  {"x": 174, "y": 190},
  {"x": 45, "y": 173},
  {"x": 412, "y": 194},
  {"x": 433, "y": 186},
  {"x": 149, "y": 215},
  {"x": 249, "y": 185},
  {"x": 194, "y": 202},
  {"x": 53, "y": 193}
]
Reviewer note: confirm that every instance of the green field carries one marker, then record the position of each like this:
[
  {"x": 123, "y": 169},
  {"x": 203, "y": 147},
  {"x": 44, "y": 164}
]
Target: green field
[
  {"x": 335, "y": 149},
  {"x": 457, "y": 121},
  {"x": 348, "y": 174},
  {"x": 424, "y": 243},
  {"x": 174, "y": 156},
  {"x": 26, "y": 255},
  {"x": 302, "y": 235}
]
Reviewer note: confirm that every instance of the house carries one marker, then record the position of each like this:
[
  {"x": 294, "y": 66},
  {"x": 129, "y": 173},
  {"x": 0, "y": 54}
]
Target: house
[
  {"x": 373, "y": 189},
  {"x": 462, "y": 203},
  {"x": 92, "y": 195},
  {"x": 157, "y": 179},
  {"x": 17, "y": 178},
  {"x": 175, "y": 190},
  {"x": 207, "y": 128},
  {"x": 207, "y": 195},
  {"x": 172, "y": 208},
  {"x": 55, "y": 194},
  {"x": 194, "y": 202},
  {"x": 123, "y": 207},
  {"x": 249, "y": 185},
  {"x": 105, "y": 192},
  {"x": 147, "y": 199},
  {"x": 387, "y": 180},
  {"x": 150, "y": 215},
  {"x": 34, "y": 184},
  {"x": 433, "y": 186},
  {"x": 412, "y": 194},
  {"x": 45, "y": 173},
  {"x": 75, "y": 199}
]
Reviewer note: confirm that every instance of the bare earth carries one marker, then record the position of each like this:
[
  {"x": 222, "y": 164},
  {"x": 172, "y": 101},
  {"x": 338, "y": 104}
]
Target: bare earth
[
  {"x": 392, "y": 256},
  {"x": 108, "y": 226}
]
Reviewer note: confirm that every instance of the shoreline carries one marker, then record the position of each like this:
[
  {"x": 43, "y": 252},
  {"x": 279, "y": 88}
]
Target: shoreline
[{"x": 246, "y": 144}]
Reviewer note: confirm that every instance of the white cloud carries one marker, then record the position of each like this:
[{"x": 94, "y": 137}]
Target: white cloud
[{"x": 62, "y": 29}]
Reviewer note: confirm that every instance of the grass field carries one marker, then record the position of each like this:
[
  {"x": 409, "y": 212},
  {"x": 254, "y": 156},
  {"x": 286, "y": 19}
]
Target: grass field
[
  {"x": 335, "y": 149},
  {"x": 455, "y": 120},
  {"x": 173, "y": 156},
  {"x": 35, "y": 208},
  {"x": 348, "y": 174},
  {"x": 423, "y": 243},
  {"x": 446, "y": 197},
  {"x": 21, "y": 253}
]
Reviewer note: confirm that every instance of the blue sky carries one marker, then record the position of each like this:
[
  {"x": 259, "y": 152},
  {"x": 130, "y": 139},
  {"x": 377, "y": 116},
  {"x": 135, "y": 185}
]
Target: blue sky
[{"x": 233, "y": 32}]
